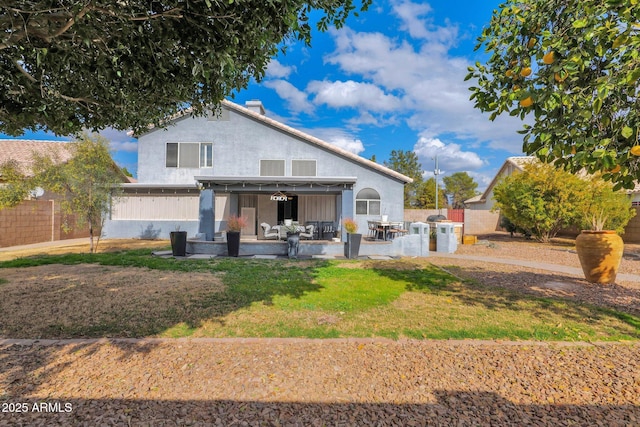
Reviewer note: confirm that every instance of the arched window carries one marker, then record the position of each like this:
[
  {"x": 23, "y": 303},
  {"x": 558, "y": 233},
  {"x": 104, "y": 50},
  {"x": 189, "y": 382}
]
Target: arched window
[{"x": 368, "y": 202}]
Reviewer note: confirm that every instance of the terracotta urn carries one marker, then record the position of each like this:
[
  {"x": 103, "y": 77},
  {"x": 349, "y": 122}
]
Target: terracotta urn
[{"x": 600, "y": 253}]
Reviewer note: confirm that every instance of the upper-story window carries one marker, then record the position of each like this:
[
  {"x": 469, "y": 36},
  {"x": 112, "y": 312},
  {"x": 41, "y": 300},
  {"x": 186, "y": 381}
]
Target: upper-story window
[
  {"x": 271, "y": 167},
  {"x": 368, "y": 202},
  {"x": 303, "y": 168},
  {"x": 189, "y": 155}
]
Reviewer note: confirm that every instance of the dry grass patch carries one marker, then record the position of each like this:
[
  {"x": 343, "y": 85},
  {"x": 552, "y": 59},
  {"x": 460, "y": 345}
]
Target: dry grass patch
[{"x": 89, "y": 300}]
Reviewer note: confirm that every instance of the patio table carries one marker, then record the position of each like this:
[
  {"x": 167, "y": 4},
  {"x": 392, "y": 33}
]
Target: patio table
[{"x": 385, "y": 225}]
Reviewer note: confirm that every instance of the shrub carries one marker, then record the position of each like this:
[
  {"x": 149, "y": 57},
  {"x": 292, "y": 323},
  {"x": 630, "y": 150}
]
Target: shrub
[
  {"x": 350, "y": 225},
  {"x": 236, "y": 223}
]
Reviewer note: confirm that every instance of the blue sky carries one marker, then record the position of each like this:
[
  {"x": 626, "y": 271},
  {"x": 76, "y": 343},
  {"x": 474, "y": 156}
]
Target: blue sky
[{"x": 391, "y": 79}]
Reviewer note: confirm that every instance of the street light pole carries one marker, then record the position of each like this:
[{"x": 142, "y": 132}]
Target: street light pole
[{"x": 436, "y": 172}]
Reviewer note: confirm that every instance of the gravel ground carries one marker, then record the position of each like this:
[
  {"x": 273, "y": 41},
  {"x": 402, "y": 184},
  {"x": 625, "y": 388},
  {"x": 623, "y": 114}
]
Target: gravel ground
[
  {"x": 342, "y": 382},
  {"x": 302, "y": 383}
]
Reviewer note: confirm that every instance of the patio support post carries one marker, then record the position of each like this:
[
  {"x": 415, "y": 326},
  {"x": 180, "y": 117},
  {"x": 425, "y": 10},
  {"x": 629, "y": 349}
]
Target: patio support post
[
  {"x": 346, "y": 211},
  {"x": 206, "y": 216}
]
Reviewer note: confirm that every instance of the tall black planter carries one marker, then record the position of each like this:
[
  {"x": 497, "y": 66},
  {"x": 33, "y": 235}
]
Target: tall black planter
[
  {"x": 178, "y": 243},
  {"x": 352, "y": 245},
  {"x": 233, "y": 243}
]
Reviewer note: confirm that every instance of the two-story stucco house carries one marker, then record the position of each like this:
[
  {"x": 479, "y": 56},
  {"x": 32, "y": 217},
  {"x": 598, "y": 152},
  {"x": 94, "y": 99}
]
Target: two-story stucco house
[{"x": 200, "y": 170}]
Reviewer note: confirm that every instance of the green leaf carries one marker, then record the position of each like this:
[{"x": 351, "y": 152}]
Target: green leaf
[
  {"x": 627, "y": 132},
  {"x": 581, "y": 23},
  {"x": 619, "y": 41},
  {"x": 597, "y": 105}
]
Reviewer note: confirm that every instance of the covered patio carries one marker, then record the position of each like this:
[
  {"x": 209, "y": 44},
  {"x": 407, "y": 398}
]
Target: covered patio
[{"x": 315, "y": 204}]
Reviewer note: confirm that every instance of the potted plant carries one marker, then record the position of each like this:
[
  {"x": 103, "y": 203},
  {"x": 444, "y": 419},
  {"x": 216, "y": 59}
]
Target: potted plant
[
  {"x": 178, "y": 242},
  {"x": 600, "y": 249},
  {"x": 235, "y": 224},
  {"x": 352, "y": 245},
  {"x": 433, "y": 240},
  {"x": 293, "y": 238}
]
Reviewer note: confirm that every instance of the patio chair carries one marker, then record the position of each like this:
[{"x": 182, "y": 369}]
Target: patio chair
[
  {"x": 308, "y": 231},
  {"x": 375, "y": 231},
  {"x": 397, "y": 229},
  {"x": 270, "y": 232}
]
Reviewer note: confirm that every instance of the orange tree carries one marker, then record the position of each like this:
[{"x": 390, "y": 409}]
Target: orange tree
[{"x": 573, "y": 66}]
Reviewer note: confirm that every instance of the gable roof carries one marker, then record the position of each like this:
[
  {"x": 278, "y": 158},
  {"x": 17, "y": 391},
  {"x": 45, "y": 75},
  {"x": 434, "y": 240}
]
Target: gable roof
[
  {"x": 516, "y": 162},
  {"x": 22, "y": 151},
  {"x": 303, "y": 136}
]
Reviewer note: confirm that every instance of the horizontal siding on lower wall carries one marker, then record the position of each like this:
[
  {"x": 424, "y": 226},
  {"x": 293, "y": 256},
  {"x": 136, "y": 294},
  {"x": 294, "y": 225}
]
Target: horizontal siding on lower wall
[{"x": 156, "y": 207}]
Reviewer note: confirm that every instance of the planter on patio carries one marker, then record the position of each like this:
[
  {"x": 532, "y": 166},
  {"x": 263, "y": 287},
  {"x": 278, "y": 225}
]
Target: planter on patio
[
  {"x": 352, "y": 245},
  {"x": 233, "y": 243},
  {"x": 178, "y": 243},
  {"x": 293, "y": 243}
]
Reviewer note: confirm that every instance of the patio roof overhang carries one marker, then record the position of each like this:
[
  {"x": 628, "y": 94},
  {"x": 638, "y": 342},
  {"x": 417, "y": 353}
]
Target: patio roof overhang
[
  {"x": 138, "y": 188},
  {"x": 271, "y": 183}
]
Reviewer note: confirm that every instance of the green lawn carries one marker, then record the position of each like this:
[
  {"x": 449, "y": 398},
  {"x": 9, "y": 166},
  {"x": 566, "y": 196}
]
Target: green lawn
[{"x": 281, "y": 298}]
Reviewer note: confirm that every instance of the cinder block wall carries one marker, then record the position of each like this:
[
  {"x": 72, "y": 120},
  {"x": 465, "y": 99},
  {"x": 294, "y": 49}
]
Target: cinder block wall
[
  {"x": 420, "y": 215},
  {"x": 481, "y": 222},
  {"x": 632, "y": 230},
  {"x": 35, "y": 221}
]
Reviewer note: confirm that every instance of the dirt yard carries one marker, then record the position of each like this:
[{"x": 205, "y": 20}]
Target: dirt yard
[
  {"x": 80, "y": 246},
  {"x": 228, "y": 382}
]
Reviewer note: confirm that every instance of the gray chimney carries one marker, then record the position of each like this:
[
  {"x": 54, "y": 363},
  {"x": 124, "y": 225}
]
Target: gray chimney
[{"x": 255, "y": 106}]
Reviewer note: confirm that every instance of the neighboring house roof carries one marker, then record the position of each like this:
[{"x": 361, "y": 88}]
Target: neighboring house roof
[
  {"x": 304, "y": 136},
  {"x": 22, "y": 151},
  {"x": 516, "y": 162}
]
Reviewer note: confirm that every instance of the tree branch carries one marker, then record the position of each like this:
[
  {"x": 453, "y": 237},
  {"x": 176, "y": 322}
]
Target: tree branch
[{"x": 24, "y": 72}]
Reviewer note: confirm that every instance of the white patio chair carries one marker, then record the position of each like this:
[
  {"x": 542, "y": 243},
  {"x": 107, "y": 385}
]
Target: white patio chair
[
  {"x": 308, "y": 232},
  {"x": 270, "y": 232}
]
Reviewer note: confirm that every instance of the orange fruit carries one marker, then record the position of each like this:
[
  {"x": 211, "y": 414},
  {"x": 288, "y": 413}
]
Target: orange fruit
[
  {"x": 635, "y": 150},
  {"x": 560, "y": 77},
  {"x": 509, "y": 73},
  {"x": 549, "y": 57},
  {"x": 532, "y": 43},
  {"x": 615, "y": 169},
  {"x": 527, "y": 102},
  {"x": 573, "y": 149},
  {"x": 526, "y": 72}
]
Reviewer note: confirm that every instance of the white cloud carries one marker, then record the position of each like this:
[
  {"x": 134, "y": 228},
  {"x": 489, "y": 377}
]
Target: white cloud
[
  {"x": 339, "y": 138},
  {"x": 482, "y": 179},
  {"x": 120, "y": 140},
  {"x": 411, "y": 14},
  {"x": 451, "y": 157},
  {"x": 426, "y": 79},
  {"x": 366, "y": 96},
  {"x": 297, "y": 99},
  {"x": 277, "y": 70}
]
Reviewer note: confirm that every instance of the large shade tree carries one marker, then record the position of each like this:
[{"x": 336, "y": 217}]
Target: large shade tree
[
  {"x": 572, "y": 67},
  {"x": 460, "y": 186},
  {"x": 426, "y": 195},
  {"x": 70, "y": 65}
]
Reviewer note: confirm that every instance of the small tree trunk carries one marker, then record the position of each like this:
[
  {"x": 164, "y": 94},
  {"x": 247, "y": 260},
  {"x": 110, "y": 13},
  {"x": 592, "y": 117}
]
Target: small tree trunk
[{"x": 91, "y": 249}]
